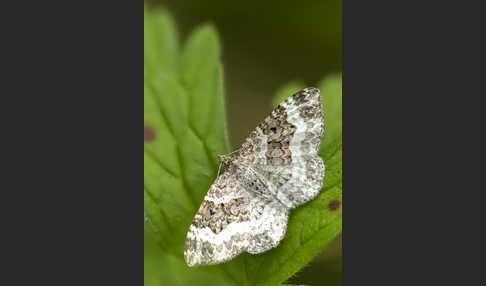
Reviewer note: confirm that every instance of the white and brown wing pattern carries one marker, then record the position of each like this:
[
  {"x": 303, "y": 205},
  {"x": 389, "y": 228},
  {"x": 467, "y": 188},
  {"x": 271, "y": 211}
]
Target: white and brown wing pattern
[
  {"x": 232, "y": 220},
  {"x": 284, "y": 147},
  {"x": 277, "y": 169}
]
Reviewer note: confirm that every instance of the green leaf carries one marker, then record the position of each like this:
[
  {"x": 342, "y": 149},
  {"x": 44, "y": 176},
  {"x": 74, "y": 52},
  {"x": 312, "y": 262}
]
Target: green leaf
[
  {"x": 160, "y": 42},
  {"x": 184, "y": 113},
  {"x": 185, "y": 127},
  {"x": 202, "y": 76}
]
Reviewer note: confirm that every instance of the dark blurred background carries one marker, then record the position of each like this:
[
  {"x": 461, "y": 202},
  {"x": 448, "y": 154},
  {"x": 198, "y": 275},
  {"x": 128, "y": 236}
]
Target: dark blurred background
[{"x": 266, "y": 44}]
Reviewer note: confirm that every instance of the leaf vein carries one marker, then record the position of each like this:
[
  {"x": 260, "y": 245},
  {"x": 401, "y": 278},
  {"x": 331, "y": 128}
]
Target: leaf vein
[
  {"x": 185, "y": 183},
  {"x": 162, "y": 113},
  {"x": 162, "y": 214},
  {"x": 162, "y": 166},
  {"x": 205, "y": 146}
]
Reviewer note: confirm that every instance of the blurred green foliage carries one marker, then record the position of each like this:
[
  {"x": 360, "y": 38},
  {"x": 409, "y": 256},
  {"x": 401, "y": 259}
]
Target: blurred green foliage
[
  {"x": 265, "y": 33},
  {"x": 184, "y": 107}
]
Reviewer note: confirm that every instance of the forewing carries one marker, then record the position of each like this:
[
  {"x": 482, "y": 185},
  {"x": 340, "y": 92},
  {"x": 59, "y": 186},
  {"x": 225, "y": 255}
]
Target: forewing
[
  {"x": 283, "y": 148},
  {"x": 232, "y": 220}
]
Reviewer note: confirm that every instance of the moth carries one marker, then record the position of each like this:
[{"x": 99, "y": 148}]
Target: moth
[{"x": 276, "y": 169}]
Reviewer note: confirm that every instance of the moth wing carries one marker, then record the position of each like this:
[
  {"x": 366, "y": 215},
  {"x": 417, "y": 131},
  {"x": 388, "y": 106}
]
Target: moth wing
[
  {"x": 231, "y": 220},
  {"x": 284, "y": 147},
  {"x": 296, "y": 121}
]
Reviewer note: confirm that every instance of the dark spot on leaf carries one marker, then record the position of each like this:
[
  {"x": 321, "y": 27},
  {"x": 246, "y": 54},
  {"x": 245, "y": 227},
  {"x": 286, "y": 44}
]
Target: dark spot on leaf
[
  {"x": 334, "y": 205},
  {"x": 148, "y": 134}
]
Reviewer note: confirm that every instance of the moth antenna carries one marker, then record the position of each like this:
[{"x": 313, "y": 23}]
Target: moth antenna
[
  {"x": 219, "y": 169},
  {"x": 237, "y": 150}
]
